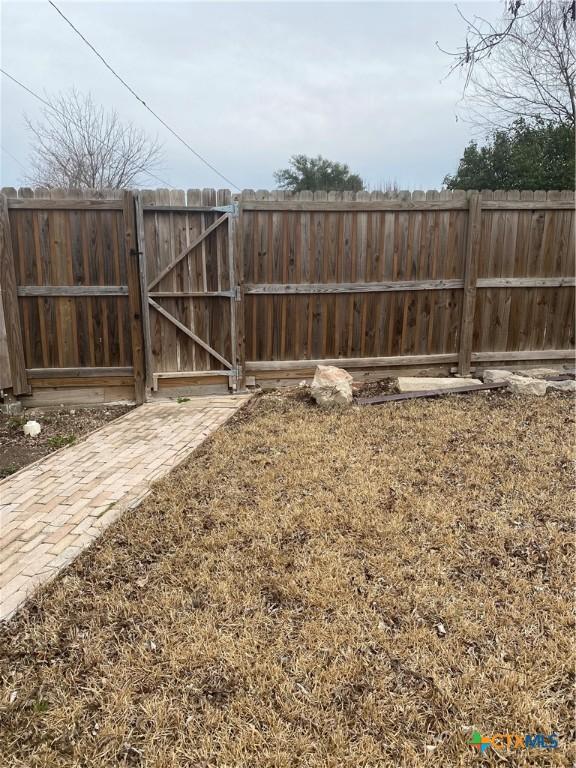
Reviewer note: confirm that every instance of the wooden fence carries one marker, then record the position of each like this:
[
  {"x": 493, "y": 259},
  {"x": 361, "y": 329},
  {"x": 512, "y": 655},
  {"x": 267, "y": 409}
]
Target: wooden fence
[
  {"x": 128, "y": 292},
  {"x": 430, "y": 278}
]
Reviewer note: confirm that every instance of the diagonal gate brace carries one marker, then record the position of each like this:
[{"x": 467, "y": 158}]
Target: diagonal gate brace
[
  {"x": 191, "y": 334},
  {"x": 202, "y": 236}
]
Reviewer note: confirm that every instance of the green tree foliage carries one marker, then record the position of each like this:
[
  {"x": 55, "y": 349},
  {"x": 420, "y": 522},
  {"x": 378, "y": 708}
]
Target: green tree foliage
[
  {"x": 525, "y": 156},
  {"x": 317, "y": 173}
]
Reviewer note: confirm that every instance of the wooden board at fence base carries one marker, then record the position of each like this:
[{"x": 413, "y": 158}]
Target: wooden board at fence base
[
  {"x": 464, "y": 389},
  {"x": 69, "y": 394}
]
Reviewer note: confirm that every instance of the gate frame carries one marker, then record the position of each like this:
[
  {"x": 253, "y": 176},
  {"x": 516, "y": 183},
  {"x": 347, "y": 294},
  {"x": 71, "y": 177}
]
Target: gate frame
[{"x": 236, "y": 366}]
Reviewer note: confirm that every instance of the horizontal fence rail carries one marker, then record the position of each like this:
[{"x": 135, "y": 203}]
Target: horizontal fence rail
[
  {"x": 272, "y": 284},
  {"x": 409, "y": 285},
  {"x": 454, "y": 204}
]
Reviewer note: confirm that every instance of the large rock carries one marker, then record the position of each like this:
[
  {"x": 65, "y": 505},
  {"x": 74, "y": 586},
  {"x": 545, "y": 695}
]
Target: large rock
[
  {"x": 496, "y": 376},
  {"x": 522, "y": 385},
  {"x": 561, "y": 386},
  {"x": 421, "y": 383},
  {"x": 331, "y": 386}
]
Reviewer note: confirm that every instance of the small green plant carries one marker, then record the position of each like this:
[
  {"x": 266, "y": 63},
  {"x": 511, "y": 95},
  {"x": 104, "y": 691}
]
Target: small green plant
[
  {"x": 59, "y": 441},
  {"x": 41, "y": 706},
  {"x": 7, "y": 471},
  {"x": 182, "y": 399}
]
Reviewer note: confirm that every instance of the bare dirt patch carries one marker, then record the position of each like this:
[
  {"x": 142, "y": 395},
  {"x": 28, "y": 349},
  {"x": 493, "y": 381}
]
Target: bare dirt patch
[
  {"x": 356, "y": 588},
  {"x": 375, "y": 388},
  {"x": 60, "y": 427}
]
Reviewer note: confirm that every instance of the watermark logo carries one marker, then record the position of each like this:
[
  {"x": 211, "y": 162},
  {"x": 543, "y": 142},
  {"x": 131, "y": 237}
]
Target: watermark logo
[
  {"x": 478, "y": 742},
  {"x": 512, "y": 741}
]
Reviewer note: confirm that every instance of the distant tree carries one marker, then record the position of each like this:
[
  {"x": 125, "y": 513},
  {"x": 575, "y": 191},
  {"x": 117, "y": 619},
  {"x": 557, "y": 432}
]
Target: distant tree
[
  {"x": 390, "y": 187},
  {"x": 317, "y": 173},
  {"x": 525, "y": 156},
  {"x": 522, "y": 65},
  {"x": 77, "y": 144}
]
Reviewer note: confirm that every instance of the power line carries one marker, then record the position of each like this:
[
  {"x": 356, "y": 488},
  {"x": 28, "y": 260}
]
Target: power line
[
  {"x": 13, "y": 157},
  {"x": 68, "y": 119},
  {"x": 141, "y": 100}
]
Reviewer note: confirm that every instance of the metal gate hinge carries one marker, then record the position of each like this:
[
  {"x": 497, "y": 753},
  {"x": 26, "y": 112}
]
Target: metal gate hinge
[{"x": 231, "y": 209}]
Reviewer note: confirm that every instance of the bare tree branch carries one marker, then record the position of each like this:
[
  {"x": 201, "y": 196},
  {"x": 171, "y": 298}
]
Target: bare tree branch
[
  {"x": 79, "y": 145},
  {"x": 525, "y": 67}
]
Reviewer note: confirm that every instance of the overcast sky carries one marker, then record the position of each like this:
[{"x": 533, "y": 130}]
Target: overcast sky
[{"x": 249, "y": 84}]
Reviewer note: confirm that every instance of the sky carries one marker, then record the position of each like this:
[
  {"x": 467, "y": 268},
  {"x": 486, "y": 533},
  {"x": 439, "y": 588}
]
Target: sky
[{"x": 250, "y": 84}]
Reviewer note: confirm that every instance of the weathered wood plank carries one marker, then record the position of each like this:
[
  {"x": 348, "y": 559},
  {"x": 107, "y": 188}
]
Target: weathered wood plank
[
  {"x": 235, "y": 302},
  {"x": 359, "y": 287},
  {"x": 528, "y": 205},
  {"x": 179, "y": 208},
  {"x": 465, "y": 388},
  {"x": 134, "y": 297},
  {"x": 526, "y": 282},
  {"x": 351, "y": 205},
  {"x": 14, "y": 341},
  {"x": 401, "y": 205},
  {"x": 82, "y": 373},
  {"x": 193, "y": 374},
  {"x": 142, "y": 271},
  {"x": 527, "y": 354},
  {"x": 349, "y": 362},
  {"x": 56, "y": 204},
  {"x": 470, "y": 277},
  {"x": 240, "y": 309},
  {"x": 5, "y": 372},
  {"x": 191, "y": 294},
  {"x": 72, "y": 290}
]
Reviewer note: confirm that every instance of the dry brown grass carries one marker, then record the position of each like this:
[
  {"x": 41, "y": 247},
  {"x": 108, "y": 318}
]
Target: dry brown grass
[{"x": 275, "y": 602}]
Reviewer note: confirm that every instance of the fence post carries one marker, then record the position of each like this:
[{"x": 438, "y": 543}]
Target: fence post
[
  {"x": 141, "y": 245},
  {"x": 134, "y": 295},
  {"x": 9, "y": 304},
  {"x": 238, "y": 305},
  {"x": 470, "y": 277}
]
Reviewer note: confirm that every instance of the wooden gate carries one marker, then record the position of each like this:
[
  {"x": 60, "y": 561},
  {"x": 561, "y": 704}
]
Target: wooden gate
[{"x": 190, "y": 288}]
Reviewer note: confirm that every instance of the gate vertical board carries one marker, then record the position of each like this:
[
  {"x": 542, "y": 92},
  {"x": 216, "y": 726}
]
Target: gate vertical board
[
  {"x": 134, "y": 297},
  {"x": 233, "y": 297},
  {"x": 237, "y": 301},
  {"x": 142, "y": 269},
  {"x": 9, "y": 305}
]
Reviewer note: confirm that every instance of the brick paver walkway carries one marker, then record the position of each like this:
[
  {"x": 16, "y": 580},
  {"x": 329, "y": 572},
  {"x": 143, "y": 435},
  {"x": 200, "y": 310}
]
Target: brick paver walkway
[{"x": 54, "y": 508}]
